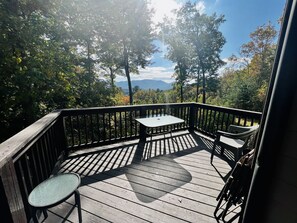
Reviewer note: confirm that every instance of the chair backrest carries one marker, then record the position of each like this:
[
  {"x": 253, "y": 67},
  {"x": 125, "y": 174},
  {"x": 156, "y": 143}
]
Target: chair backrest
[
  {"x": 243, "y": 132},
  {"x": 247, "y": 134}
]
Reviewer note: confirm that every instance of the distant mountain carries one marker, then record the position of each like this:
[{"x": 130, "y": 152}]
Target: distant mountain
[{"x": 145, "y": 84}]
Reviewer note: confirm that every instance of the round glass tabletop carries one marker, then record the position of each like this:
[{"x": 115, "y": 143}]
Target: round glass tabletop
[{"x": 54, "y": 190}]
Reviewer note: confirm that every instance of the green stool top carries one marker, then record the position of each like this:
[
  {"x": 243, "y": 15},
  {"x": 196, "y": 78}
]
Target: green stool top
[{"x": 54, "y": 190}]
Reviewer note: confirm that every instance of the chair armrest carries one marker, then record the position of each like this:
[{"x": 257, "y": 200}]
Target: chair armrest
[
  {"x": 243, "y": 135},
  {"x": 227, "y": 134}
]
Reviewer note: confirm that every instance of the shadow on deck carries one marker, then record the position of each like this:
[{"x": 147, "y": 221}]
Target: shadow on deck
[{"x": 158, "y": 181}]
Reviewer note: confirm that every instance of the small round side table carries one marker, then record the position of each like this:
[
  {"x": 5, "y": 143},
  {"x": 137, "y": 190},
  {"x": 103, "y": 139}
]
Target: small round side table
[{"x": 54, "y": 191}]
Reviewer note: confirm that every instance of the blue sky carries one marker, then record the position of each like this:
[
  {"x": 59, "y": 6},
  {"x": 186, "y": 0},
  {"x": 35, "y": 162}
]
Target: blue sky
[{"x": 242, "y": 18}]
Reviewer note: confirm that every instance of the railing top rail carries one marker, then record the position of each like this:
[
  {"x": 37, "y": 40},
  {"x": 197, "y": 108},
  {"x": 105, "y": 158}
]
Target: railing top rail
[
  {"x": 235, "y": 110},
  {"x": 16, "y": 143},
  {"x": 121, "y": 108},
  {"x": 157, "y": 105}
]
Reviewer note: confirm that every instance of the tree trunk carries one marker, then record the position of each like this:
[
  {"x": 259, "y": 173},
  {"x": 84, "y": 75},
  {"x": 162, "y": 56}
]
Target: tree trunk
[
  {"x": 197, "y": 87},
  {"x": 181, "y": 93},
  {"x": 203, "y": 90},
  {"x": 89, "y": 64},
  {"x": 127, "y": 71},
  {"x": 112, "y": 80},
  {"x": 181, "y": 84}
]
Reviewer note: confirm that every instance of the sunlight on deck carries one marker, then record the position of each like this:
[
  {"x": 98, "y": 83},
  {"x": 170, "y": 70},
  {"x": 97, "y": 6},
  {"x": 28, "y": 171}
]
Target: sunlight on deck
[{"x": 143, "y": 182}]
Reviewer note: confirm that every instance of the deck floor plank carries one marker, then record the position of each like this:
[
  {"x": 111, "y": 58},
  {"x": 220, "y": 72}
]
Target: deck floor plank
[{"x": 159, "y": 181}]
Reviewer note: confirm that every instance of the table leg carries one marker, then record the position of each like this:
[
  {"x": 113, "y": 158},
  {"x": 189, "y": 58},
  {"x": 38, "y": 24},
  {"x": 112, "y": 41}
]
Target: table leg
[
  {"x": 44, "y": 213},
  {"x": 77, "y": 201},
  {"x": 34, "y": 217}
]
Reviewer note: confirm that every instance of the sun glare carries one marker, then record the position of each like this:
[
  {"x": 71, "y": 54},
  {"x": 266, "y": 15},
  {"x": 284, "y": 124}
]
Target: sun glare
[{"x": 164, "y": 8}]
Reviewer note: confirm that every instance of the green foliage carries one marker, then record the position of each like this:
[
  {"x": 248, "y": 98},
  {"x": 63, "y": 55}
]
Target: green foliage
[
  {"x": 244, "y": 86},
  {"x": 40, "y": 67},
  {"x": 53, "y": 53}
]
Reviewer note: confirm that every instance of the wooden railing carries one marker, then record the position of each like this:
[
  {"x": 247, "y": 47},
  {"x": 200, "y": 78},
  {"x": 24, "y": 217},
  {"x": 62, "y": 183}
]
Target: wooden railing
[
  {"x": 97, "y": 126},
  {"x": 209, "y": 118},
  {"x": 34, "y": 154},
  {"x": 26, "y": 160}
]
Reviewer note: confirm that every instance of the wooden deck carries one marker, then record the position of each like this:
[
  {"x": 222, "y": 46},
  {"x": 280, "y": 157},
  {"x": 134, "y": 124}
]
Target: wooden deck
[{"x": 143, "y": 182}]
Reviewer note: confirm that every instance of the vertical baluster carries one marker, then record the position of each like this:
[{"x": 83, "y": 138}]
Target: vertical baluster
[
  {"x": 126, "y": 126},
  {"x": 45, "y": 157},
  {"x": 104, "y": 127},
  {"x": 72, "y": 134},
  {"x": 78, "y": 130},
  {"x": 56, "y": 144},
  {"x": 131, "y": 123},
  {"x": 244, "y": 124},
  {"x": 213, "y": 122},
  {"x": 252, "y": 122},
  {"x": 52, "y": 143},
  {"x": 239, "y": 118},
  {"x": 200, "y": 117},
  {"x": 135, "y": 124},
  {"x": 233, "y": 119},
  {"x": 109, "y": 126},
  {"x": 209, "y": 113},
  {"x": 188, "y": 116},
  {"x": 184, "y": 117},
  {"x": 41, "y": 162},
  {"x": 28, "y": 170},
  {"x": 92, "y": 128},
  {"x": 86, "y": 128},
  {"x": 48, "y": 151},
  {"x": 227, "y": 122},
  {"x": 223, "y": 122},
  {"x": 205, "y": 119},
  {"x": 121, "y": 126},
  {"x": 37, "y": 179},
  {"x": 115, "y": 125},
  {"x": 218, "y": 121},
  {"x": 98, "y": 127}
]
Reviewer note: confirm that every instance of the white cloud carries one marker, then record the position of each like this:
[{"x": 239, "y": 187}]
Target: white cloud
[
  {"x": 154, "y": 73},
  {"x": 164, "y": 8},
  {"x": 239, "y": 63}
]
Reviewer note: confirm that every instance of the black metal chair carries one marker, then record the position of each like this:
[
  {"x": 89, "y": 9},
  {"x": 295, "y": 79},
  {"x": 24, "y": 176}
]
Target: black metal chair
[
  {"x": 232, "y": 198},
  {"x": 237, "y": 139}
]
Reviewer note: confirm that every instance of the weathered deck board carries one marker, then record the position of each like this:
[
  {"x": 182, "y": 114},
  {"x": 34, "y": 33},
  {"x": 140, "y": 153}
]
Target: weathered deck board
[{"x": 158, "y": 181}]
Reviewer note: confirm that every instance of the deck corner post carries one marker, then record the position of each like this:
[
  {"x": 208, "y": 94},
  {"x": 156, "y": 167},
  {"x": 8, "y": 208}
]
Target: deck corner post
[
  {"x": 11, "y": 191},
  {"x": 192, "y": 117},
  {"x": 63, "y": 136},
  {"x": 142, "y": 130}
]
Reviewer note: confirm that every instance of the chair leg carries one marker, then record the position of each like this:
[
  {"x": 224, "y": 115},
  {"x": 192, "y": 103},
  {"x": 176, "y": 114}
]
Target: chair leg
[{"x": 77, "y": 202}]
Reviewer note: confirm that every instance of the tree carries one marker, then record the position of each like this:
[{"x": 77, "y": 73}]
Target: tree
[
  {"x": 178, "y": 52},
  {"x": 131, "y": 30},
  {"x": 33, "y": 60},
  {"x": 202, "y": 33},
  {"x": 253, "y": 72},
  {"x": 40, "y": 65},
  {"x": 260, "y": 51}
]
